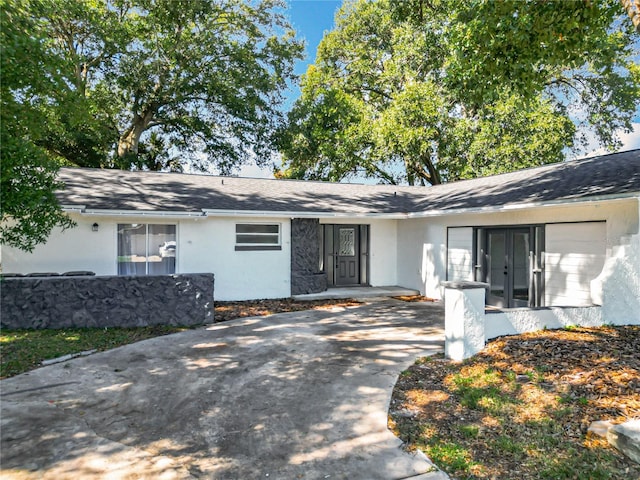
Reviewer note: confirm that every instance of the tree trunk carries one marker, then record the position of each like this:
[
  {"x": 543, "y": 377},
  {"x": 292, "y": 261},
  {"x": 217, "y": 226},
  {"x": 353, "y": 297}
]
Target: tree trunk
[
  {"x": 424, "y": 169},
  {"x": 633, "y": 10},
  {"x": 434, "y": 174},
  {"x": 130, "y": 139}
]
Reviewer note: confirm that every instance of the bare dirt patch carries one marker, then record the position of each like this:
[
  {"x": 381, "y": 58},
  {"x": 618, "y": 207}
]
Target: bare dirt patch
[{"x": 521, "y": 408}]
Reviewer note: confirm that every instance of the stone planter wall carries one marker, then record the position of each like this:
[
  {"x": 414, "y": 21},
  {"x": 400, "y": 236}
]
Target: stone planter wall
[
  {"x": 109, "y": 301},
  {"x": 305, "y": 250}
]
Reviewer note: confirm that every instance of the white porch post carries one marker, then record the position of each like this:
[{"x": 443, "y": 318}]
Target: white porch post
[{"x": 464, "y": 319}]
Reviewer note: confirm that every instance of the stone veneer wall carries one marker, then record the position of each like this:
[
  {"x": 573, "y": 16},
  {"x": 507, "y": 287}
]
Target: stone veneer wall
[
  {"x": 109, "y": 301},
  {"x": 305, "y": 250}
]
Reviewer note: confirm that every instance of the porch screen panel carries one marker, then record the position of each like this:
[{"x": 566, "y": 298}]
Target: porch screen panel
[
  {"x": 460, "y": 254},
  {"x": 574, "y": 255}
]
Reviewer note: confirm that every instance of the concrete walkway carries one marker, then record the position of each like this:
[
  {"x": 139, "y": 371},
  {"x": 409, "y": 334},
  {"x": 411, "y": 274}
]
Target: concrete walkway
[{"x": 292, "y": 396}]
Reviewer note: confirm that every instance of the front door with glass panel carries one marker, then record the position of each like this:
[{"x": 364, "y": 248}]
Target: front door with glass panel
[
  {"x": 347, "y": 256},
  {"x": 508, "y": 271}
]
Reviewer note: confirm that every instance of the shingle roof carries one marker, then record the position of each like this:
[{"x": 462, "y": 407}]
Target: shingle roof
[
  {"x": 154, "y": 191},
  {"x": 98, "y": 189},
  {"x": 613, "y": 174}
]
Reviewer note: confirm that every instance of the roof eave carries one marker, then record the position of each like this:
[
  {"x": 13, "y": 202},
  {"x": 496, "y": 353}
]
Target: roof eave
[
  {"x": 82, "y": 210},
  {"x": 300, "y": 214}
]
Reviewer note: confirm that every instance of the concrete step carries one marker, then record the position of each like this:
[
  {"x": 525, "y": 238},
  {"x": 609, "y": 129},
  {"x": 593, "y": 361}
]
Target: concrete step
[{"x": 357, "y": 292}]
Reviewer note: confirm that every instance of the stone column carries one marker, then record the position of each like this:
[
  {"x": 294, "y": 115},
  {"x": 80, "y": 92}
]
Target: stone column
[
  {"x": 464, "y": 318},
  {"x": 305, "y": 249}
]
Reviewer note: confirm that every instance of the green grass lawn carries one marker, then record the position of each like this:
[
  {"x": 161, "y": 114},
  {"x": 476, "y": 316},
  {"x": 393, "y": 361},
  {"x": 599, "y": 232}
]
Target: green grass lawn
[{"x": 23, "y": 350}]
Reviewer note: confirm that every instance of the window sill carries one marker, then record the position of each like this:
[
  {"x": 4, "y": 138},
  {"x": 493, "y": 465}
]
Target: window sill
[{"x": 246, "y": 248}]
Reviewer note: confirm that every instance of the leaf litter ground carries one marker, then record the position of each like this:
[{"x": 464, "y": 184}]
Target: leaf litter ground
[
  {"x": 521, "y": 408},
  {"x": 224, "y": 311}
]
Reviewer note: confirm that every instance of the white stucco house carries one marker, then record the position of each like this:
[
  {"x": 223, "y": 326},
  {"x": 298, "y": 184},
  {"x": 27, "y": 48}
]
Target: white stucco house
[{"x": 559, "y": 235}]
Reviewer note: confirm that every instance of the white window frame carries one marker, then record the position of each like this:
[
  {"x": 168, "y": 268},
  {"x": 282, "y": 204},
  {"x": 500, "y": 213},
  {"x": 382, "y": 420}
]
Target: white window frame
[{"x": 244, "y": 246}]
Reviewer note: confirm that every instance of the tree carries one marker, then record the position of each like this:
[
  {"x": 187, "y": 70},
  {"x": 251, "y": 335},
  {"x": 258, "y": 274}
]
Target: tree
[
  {"x": 577, "y": 53},
  {"x": 29, "y": 209},
  {"x": 633, "y": 10},
  {"x": 424, "y": 91},
  {"x": 202, "y": 77}
]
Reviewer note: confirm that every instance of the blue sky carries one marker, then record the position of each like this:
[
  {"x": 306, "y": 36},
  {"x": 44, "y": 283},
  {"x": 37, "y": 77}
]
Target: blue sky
[{"x": 310, "y": 19}]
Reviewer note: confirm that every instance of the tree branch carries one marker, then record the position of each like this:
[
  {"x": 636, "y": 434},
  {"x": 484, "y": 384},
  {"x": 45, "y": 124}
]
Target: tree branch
[{"x": 386, "y": 176}]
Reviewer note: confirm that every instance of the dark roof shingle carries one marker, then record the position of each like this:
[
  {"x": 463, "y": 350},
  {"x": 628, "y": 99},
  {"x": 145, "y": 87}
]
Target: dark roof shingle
[
  {"x": 99, "y": 189},
  {"x": 614, "y": 174}
]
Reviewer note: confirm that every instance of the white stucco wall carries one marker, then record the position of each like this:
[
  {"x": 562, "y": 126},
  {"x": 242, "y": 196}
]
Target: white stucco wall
[
  {"x": 383, "y": 238},
  {"x": 411, "y": 253},
  {"x": 460, "y": 254},
  {"x": 422, "y": 255},
  {"x": 522, "y": 320},
  {"x": 422, "y": 241},
  {"x": 619, "y": 282},
  {"x": 383, "y": 248},
  {"x": 208, "y": 245},
  {"x": 204, "y": 245},
  {"x": 77, "y": 248}
]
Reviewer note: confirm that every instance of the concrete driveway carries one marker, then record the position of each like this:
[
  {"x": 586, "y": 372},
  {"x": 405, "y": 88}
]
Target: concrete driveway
[{"x": 293, "y": 396}]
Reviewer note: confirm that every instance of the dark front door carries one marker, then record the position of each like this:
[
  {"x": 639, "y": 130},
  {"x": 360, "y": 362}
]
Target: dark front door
[
  {"x": 508, "y": 271},
  {"x": 347, "y": 255}
]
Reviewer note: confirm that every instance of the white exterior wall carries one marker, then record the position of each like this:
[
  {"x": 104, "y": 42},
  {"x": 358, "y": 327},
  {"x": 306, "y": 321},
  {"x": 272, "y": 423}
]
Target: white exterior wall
[
  {"x": 383, "y": 244},
  {"x": 619, "y": 282},
  {"x": 574, "y": 255},
  {"x": 411, "y": 253},
  {"x": 521, "y": 320},
  {"x": 204, "y": 245},
  {"x": 460, "y": 254},
  {"x": 208, "y": 245},
  {"x": 77, "y": 248},
  {"x": 422, "y": 242},
  {"x": 422, "y": 255},
  {"x": 383, "y": 248}
]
